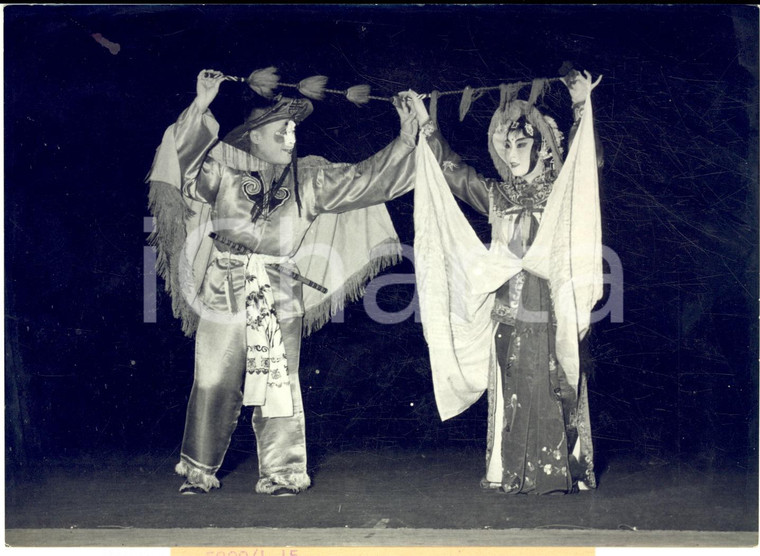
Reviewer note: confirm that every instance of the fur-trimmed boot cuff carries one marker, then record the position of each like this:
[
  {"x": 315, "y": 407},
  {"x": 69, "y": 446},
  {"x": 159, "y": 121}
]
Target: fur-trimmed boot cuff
[
  {"x": 196, "y": 477},
  {"x": 296, "y": 482}
]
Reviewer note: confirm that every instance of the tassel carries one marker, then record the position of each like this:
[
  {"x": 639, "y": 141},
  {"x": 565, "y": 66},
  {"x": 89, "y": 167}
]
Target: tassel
[
  {"x": 537, "y": 88},
  {"x": 358, "y": 94},
  {"x": 433, "y": 108},
  {"x": 469, "y": 95},
  {"x": 465, "y": 103},
  {"x": 508, "y": 94},
  {"x": 503, "y": 95},
  {"x": 313, "y": 87},
  {"x": 264, "y": 81}
]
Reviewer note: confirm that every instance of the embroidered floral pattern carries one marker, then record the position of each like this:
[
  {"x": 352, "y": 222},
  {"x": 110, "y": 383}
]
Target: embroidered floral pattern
[
  {"x": 266, "y": 365},
  {"x": 549, "y": 461},
  {"x": 507, "y": 312},
  {"x": 519, "y": 193},
  {"x": 428, "y": 129},
  {"x": 449, "y": 166}
]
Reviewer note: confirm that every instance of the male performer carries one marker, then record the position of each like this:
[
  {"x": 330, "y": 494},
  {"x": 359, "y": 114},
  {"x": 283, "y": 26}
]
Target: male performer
[{"x": 264, "y": 206}]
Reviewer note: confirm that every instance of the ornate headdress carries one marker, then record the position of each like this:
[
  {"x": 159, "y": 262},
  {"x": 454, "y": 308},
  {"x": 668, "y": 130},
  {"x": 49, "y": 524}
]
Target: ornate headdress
[{"x": 507, "y": 117}]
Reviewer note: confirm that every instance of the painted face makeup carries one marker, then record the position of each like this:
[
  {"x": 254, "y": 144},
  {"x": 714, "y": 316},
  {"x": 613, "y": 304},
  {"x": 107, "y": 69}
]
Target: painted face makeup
[
  {"x": 517, "y": 149},
  {"x": 274, "y": 142},
  {"x": 514, "y": 148}
]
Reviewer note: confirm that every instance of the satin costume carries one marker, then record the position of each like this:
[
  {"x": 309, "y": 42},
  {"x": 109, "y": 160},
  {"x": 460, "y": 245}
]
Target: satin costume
[{"x": 244, "y": 213}]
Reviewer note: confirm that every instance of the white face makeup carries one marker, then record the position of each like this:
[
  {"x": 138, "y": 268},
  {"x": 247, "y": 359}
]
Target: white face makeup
[
  {"x": 518, "y": 148},
  {"x": 514, "y": 148},
  {"x": 274, "y": 142}
]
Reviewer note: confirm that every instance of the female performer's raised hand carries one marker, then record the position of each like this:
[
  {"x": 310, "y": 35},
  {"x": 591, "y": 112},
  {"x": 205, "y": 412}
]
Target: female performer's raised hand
[{"x": 579, "y": 84}]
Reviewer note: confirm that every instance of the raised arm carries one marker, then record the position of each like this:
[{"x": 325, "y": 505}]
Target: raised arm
[
  {"x": 462, "y": 178},
  {"x": 380, "y": 178},
  {"x": 195, "y": 132},
  {"x": 580, "y": 85}
]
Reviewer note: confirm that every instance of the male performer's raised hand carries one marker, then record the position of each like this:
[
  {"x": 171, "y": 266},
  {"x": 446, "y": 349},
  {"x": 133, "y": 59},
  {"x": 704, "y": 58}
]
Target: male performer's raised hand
[{"x": 207, "y": 87}]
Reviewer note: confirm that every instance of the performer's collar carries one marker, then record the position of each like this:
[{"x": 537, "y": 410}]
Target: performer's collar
[{"x": 238, "y": 159}]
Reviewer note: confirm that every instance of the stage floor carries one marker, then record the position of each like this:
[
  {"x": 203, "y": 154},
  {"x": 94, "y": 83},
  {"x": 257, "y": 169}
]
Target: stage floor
[{"x": 383, "y": 498}]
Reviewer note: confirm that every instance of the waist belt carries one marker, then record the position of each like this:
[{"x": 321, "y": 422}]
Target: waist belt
[{"x": 240, "y": 249}]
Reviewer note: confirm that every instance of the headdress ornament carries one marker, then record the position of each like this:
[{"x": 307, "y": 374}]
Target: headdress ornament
[{"x": 508, "y": 114}]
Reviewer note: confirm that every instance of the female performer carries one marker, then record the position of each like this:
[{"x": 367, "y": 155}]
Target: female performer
[{"x": 539, "y": 438}]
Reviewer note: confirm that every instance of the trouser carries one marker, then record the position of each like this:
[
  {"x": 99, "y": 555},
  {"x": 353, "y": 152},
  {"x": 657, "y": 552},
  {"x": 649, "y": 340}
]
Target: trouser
[{"x": 216, "y": 400}]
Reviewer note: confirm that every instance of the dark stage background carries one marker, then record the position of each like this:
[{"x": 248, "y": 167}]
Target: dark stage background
[{"x": 677, "y": 113}]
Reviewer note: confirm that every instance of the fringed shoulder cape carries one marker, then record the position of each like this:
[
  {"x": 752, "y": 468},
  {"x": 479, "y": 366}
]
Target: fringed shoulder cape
[{"x": 360, "y": 242}]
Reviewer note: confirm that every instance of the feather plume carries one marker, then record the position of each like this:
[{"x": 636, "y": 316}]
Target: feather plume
[
  {"x": 358, "y": 94},
  {"x": 313, "y": 87},
  {"x": 264, "y": 81}
]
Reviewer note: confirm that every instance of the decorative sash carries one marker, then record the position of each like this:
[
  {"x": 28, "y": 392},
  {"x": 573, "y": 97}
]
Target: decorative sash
[{"x": 266, "y": 367}]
